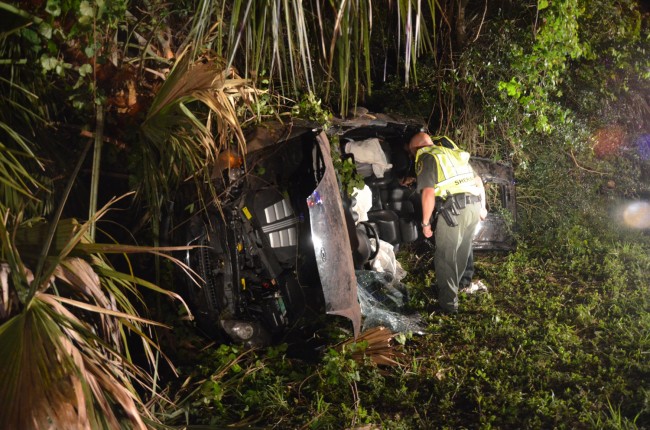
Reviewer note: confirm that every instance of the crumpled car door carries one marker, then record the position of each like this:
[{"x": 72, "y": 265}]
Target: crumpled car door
[{"x": 332, "y": 243}]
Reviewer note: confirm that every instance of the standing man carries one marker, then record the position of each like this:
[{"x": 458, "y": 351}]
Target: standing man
[{"x": 449, "y": 187}]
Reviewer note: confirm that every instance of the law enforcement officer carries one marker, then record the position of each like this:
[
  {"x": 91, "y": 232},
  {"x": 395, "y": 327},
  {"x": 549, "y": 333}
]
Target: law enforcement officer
[{"x": 450, "y": 188}]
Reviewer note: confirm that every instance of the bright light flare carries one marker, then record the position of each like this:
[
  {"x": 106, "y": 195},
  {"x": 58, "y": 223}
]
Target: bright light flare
[
  {"x": 643, "y": 146},
  {"x": 478, "y": 228},
  {"x": 608, "y": 140},
  {"x": 317, "y": 242},
  {"x": 636, "y": 215}
]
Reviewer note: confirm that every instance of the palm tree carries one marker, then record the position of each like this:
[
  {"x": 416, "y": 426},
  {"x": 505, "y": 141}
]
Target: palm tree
[
  {"x": 64, "y": 329},
  {"x": 65, "y": 312}
]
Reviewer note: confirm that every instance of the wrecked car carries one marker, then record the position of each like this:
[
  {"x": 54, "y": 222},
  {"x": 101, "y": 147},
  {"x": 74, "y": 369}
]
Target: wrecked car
[{"x": 283, "y": 243}]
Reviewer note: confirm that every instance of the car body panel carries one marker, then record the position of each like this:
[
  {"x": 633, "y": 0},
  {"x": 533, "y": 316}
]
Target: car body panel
[
  {"x": 495, "y": 233},
  {"x": 332, "y": 244}
]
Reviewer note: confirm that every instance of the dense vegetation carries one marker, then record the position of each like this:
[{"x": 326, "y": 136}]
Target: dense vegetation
[
  {"x": 547, "y": 347},
  {"x": 155, "y": 91}
]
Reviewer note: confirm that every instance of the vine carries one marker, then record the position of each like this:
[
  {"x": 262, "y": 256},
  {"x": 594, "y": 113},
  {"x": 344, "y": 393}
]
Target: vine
[{"x": 538, "y": 70}]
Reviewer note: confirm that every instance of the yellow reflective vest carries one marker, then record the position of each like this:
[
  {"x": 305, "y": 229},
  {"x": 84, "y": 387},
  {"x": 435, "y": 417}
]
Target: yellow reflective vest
[{"x": 455, "y": 175}]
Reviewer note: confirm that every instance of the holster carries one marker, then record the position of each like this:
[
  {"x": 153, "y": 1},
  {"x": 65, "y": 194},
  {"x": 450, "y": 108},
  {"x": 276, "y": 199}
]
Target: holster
[
  {"x": 460, "y": 200},
  {"x": 448, "y": 217},
  {"x": 449, "y": 209}
]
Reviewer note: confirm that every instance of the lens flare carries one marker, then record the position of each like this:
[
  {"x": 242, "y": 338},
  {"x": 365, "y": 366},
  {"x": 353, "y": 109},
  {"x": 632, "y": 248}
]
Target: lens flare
[
  {"x": 608, "y": 140},
  {"x": 637, "y": 215},
  {"x": 643, "y": 146}
]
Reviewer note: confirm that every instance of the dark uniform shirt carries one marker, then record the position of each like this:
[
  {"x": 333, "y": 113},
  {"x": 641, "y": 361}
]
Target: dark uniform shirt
[{"x": 427, "y": 171}]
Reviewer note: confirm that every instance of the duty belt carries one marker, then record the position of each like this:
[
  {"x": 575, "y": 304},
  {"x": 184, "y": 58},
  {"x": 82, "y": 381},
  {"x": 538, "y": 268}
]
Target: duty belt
[
  {"x": 470, "y": 198},
  {"x": 460, "y": 198},
  {"x": 450, "y": 207}
]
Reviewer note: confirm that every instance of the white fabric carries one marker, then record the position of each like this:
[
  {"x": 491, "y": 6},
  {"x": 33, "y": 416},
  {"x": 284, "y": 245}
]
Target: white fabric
[
  {"x": 369, "y": 151},
  {"x": 474, "y": 287},
  {"x": 385, "y": 260},
  {"x": 363, "y": 202}
]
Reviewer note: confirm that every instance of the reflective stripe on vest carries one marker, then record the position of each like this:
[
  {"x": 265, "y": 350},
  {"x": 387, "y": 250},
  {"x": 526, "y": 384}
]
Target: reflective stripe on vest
[{"x": 455, "y": 175}]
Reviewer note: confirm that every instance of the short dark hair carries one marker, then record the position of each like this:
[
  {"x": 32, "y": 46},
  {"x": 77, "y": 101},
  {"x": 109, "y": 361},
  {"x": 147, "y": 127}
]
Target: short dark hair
[{"x": 443, "y": 141}]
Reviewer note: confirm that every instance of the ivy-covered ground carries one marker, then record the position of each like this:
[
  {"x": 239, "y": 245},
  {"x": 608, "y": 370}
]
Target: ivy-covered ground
[{"x": 560, "y": 340}]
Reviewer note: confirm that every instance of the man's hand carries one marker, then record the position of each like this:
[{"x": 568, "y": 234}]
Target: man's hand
[
  {"x": 483, "y": 214},
  {"x": 427, "y": 231},
  {"x": 407, "y": 181}
]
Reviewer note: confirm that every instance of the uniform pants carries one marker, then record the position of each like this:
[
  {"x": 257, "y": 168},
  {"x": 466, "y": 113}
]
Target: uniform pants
[
  {"x": 453, "y": 245},
  {"x": 468, "y": 274}
]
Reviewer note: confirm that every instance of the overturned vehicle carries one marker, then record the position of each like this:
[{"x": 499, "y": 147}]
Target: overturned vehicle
[{"x": 283, "y": 244}]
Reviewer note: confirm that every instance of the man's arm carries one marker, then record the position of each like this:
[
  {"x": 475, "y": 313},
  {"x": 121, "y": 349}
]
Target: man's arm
[{"x": 428, "y": 206}]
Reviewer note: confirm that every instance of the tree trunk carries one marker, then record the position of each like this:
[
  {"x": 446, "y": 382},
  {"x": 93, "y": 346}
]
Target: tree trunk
[{"x": 461, "y": 25}]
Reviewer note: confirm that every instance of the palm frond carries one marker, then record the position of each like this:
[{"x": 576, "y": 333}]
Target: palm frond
[
  {"x": 282, "y": 40},
  {"x": 21, "y": 112},
  {"x": 19, "y": 184},
  {"x": 197, "y": 97},
  {"x": 56, "y": 376},
  {"x": 64, "y": 333},
  {"x": 20, "y": 19},
  {"x": 379, "y": 349},
  {"x": 5, "y": 304}
]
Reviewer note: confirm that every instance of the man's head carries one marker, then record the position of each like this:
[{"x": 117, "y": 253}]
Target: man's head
[{"x": 418, "y": 141}]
